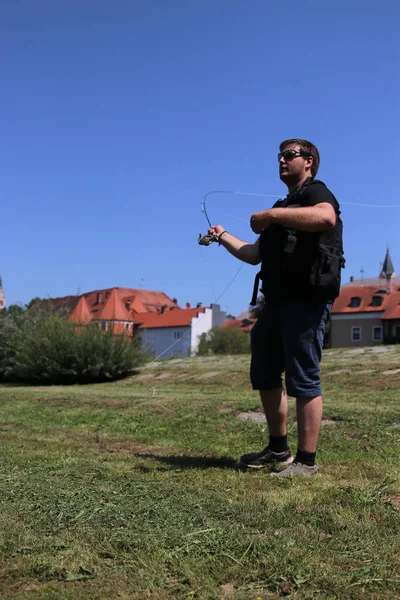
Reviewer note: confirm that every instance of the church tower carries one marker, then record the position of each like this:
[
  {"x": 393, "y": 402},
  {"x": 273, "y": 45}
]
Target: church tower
[
  {"x": 388, "y": 271},
  {"x": 2, "y": 296}
]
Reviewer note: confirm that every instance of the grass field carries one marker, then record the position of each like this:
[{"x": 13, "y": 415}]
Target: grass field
[{"x": 132, "y": 490}]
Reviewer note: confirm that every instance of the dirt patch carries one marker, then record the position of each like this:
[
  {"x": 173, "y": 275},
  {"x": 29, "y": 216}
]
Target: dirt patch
[
  {"x": 62, "y": 401},
  {"x": 209, "y": 374},
  {"x": 375, "y": 382},
  {"x": 327, "y": 422},
  {"x": 227, "y": 590},
  {"x": 392, "y": 372},
  {"x": 394, "y": 501},
  {"x": 227, "y": 407},
  {"x": 256, "y": 417},
  {"x": 5, "y": 426},
  {"x": 97, "y": 443}
]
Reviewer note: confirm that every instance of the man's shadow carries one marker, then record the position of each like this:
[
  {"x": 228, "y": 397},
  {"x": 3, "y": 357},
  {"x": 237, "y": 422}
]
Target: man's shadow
[{"x": 183, "y": 461}]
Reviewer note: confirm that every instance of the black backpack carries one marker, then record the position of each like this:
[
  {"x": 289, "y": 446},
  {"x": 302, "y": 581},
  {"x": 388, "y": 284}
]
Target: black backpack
[{"x": 319, "y": 279}]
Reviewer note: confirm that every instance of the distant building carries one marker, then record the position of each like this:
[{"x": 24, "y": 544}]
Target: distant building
[
  {"x": 177, "y": 331},
  {"x": 165, "y": 328},
  {"x": 367, "y": 311}
]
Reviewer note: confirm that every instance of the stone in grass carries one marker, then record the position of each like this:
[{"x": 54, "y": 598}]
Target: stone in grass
[
  {"x": 285, "y": 588},
  {"x": 394, "y": 501},
  {"x": 256, "y": 417},
  {"x": 227, "y": 590}
]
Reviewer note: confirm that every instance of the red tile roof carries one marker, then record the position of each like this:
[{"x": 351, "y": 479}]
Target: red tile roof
[
  {"x": 115, "y": 304},
  {"x": 245, "y": 324},
  {"x": 392, "y": 307},
  {"x": 150, "y": 300},
  {"x": 81, "y": 312},
  {"x": 135, "y": 304},
  {"x": 389, "y": 306},
  {"x": 178, "y": 317},
  {"x": 114, "y": 309}
]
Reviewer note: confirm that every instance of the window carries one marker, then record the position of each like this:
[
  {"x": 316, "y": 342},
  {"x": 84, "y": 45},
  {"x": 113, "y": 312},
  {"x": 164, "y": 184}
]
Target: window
[
  {"x": 377, "y": 334},
  {"x": 376, "y": 300},
  {"x": 104, "y": 325},
  {"x": 177, "y": 353},
  {"x": 355, "y": 334},
  {"x": 397, "y": 332},
  {"x": 127, "y": 326},
  {"x": 355, "y": 302},
  {"x": 178, "y": 335}
]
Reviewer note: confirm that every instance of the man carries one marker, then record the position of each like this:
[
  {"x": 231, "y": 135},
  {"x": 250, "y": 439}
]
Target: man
[{"x": 300, "y": 248}]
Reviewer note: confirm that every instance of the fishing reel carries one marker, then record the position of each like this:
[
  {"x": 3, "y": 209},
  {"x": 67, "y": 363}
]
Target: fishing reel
[{"x": 206, "y": 240}]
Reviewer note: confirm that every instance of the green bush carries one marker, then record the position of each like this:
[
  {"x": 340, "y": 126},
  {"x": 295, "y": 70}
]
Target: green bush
[
  {"x": 224, "y": 341},
  {"x": 41, "y": 346}
]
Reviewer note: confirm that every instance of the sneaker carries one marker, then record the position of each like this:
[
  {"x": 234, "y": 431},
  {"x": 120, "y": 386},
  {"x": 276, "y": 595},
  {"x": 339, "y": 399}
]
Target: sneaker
[
  {"x": 297, "y": 468},
  {"x": 258, "y": 460}
]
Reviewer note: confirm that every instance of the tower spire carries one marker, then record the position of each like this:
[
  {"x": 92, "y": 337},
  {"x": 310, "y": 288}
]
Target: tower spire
[
  {"x": 387, "y": 267},
  {"x": 2, "y": 296}
]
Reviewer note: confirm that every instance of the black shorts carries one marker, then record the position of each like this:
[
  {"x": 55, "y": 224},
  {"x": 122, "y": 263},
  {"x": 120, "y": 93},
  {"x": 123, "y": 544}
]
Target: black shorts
[{"x": 287, "y": 338}]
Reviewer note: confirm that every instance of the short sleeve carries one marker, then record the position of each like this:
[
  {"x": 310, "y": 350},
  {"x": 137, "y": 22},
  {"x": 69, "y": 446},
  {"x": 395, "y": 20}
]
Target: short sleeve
[{"x": 317, "y": 192}]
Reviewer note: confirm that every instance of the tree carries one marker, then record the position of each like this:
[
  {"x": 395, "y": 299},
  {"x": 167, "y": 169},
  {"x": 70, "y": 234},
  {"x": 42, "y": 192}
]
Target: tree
[
  {"x": 224, "y": 340},
  {"x": 41, "y": 347},
  {"x": 35, "y": 300},
  {"x": 12, "y": 310},
  {"x": 203, "y": 349}
]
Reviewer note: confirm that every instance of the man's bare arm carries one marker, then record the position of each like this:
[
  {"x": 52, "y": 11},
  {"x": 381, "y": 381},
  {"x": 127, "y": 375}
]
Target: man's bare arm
[
  {"x": 244, "y": 251},
  {"x": 318, "y": 218}
]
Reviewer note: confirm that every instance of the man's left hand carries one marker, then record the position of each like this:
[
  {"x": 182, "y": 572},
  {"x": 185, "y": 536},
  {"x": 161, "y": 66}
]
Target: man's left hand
[{"x": 260, "y": 220}]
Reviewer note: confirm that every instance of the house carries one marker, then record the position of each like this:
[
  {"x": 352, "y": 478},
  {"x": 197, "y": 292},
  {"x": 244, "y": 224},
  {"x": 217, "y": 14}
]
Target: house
[
  {"x": 166, "y": 329},
  {"x": 176, "y": 331},
  {"x": 367, "y": 312},
  {"x": 114, "y": 308}
]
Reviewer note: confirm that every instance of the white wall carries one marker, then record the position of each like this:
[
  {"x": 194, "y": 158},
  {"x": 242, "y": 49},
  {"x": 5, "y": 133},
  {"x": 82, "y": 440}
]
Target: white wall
[
  {"x": 161, "y": 338},
  {"x": 158, "y": 339}
]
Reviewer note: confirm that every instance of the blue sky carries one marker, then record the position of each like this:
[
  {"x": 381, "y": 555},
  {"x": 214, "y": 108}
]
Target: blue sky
[{"x": 119, "y": 115}]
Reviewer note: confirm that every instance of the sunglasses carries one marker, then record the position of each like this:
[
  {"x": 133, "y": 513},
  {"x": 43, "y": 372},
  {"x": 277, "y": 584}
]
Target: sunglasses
[{"x": 290, "y": 154}]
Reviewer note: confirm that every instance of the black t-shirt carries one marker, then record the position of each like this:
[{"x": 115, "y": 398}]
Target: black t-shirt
[{"x": 288, "y": 256}]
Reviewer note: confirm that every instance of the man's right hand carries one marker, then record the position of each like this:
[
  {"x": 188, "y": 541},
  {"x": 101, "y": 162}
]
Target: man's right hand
[{"x": 216, "y": 230}]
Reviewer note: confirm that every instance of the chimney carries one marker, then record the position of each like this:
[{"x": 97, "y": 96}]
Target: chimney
[
  {"x": 198, "y": 305},
  {"x": 389, "y": 284},
  {"x": 187, "y": 304},
  {"x": 175, "y": 300},
  {"x": 351, "y": 278}
]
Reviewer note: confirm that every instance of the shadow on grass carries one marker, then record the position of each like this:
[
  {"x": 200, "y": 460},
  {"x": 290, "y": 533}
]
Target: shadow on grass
[{"x": 195, "y": 462}]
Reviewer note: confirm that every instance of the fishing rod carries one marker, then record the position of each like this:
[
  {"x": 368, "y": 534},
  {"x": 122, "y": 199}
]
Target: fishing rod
[{"x": 209, "y": 238}]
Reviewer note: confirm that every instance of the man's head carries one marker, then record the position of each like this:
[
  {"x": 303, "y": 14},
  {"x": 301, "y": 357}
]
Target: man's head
[{"x": 298, "y": 159}]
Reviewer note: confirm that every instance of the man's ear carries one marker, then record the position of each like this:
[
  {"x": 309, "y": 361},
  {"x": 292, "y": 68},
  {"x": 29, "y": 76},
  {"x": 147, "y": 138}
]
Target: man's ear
[{"x": 309, "y": 162}]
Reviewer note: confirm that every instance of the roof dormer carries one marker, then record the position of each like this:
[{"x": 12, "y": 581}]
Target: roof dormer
[
  {"x": 376, "y": 301},
  {"x": 355, "y": 302}
]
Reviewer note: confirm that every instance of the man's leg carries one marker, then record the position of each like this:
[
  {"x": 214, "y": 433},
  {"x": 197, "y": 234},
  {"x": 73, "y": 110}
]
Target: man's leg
[
  {"x": 303, "y": 346},
  {"x": 309, "y": 415},
  {"x": 275, "y": 405},
  {"x": 267, "y": 365}
]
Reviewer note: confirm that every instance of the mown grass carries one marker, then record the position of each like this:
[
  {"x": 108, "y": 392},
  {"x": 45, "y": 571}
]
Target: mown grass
[{"x": 132, "y": 489}]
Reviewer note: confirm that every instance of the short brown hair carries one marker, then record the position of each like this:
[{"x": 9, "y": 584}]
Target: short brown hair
[{"x": 307, "y": 147}]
